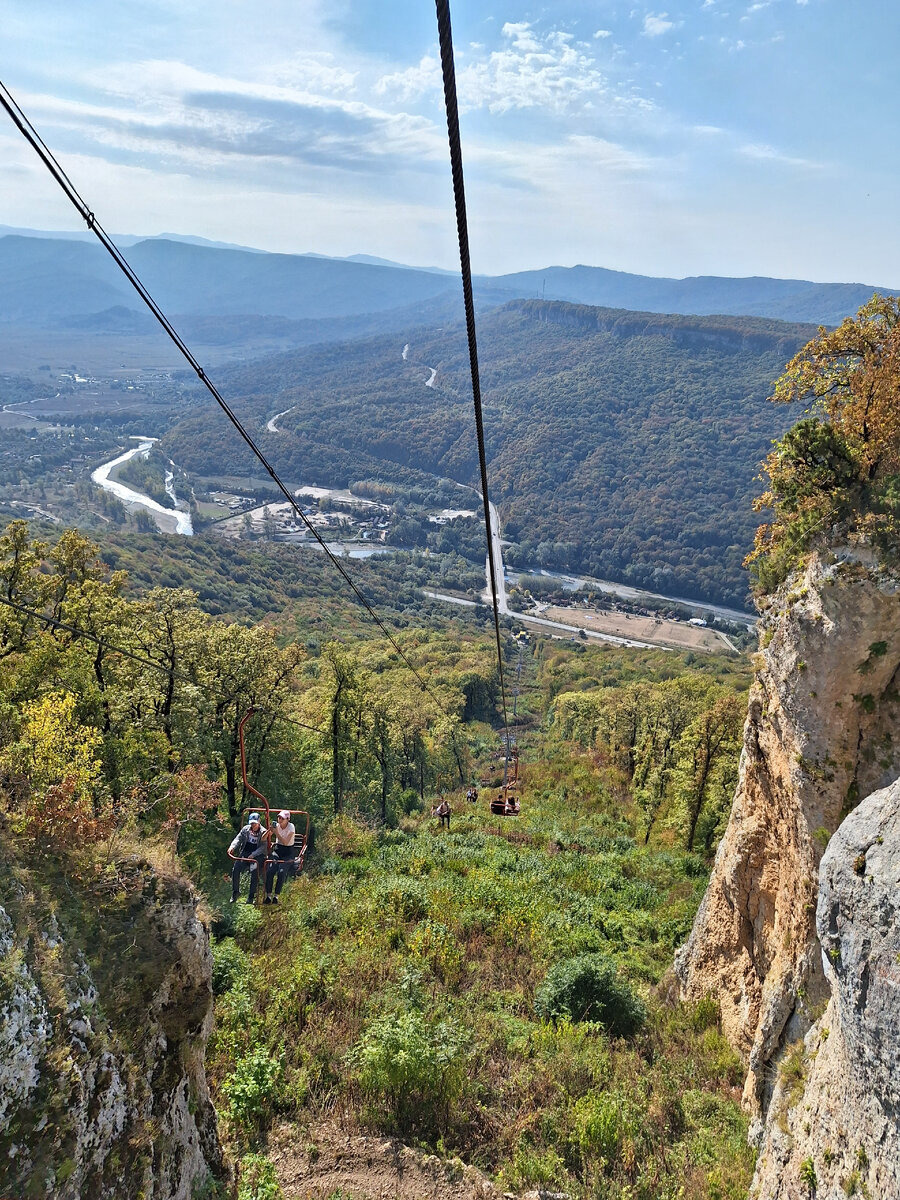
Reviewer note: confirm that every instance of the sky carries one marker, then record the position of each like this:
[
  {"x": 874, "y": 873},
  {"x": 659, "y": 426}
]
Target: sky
[{"x": 688, "y": 137}]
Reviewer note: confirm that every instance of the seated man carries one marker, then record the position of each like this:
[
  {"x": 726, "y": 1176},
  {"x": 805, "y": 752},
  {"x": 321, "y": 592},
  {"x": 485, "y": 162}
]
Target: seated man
[
  {"x": 250, "y": 848},
  {"x": 283, "y": 834}
]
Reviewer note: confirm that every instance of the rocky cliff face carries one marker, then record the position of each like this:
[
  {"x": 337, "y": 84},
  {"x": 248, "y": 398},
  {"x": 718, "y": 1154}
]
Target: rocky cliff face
[
  {"x": 820, "y": 734},
  {"x": 105, "y": 1008},
  {"x": 834, "y": 1122}
]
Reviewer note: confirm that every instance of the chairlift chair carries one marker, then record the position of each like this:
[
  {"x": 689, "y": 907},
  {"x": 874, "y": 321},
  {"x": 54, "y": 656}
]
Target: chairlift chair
[{"x": 299, "y": 818}]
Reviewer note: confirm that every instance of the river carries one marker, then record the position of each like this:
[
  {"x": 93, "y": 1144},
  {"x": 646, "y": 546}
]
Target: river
[{"x": 168, "y": 520}]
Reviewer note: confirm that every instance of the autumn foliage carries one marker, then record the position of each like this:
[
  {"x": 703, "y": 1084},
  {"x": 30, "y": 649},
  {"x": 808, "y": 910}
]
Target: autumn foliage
[{"x": 837, "y": 471}]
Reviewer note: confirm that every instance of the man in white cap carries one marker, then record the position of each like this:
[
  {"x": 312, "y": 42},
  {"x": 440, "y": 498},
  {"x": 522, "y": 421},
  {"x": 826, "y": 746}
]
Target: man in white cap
[
  {"x": 283, "y": 834},
  {"x": 250, "y": 848}
]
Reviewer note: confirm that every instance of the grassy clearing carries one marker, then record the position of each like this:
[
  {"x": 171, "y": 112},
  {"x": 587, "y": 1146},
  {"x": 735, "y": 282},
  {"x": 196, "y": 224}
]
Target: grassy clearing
[{"x": 396, "y": 982}]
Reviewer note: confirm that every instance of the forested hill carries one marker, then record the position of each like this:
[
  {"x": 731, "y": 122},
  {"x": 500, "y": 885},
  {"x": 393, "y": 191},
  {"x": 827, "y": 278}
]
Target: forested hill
[
  {"x": 784, "y": 299},
  {"x": 47, "y": 280},
  {"x": 723, "y": 332},
  {"x": 621, "y": 444}
]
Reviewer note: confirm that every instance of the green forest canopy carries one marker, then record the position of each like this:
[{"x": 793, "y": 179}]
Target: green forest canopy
[{"x": 623, "y": 445}]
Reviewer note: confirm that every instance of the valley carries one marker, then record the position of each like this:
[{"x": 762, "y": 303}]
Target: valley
[{"x": 489, "y": 999}]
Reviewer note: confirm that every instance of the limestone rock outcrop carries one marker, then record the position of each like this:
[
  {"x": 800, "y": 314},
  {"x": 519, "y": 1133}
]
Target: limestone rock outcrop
[
  {"x": 105, "y": 1009},
  {"x": 821, "y": 732},
  {"x": 833, "y": 1127}
]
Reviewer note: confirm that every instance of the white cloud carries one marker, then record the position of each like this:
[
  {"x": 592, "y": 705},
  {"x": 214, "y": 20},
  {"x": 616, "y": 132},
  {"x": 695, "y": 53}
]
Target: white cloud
[
  {"x": 315, "y": 73},
  {"x": 412, "y": 83},
  {"x": 655, "y": 26},
  {"x": 180, "y": 115},
  {"x": 531, "y": 70},
  {"x": 521, "y": 36},
  {"x": 603, "y": 33},
  {"x": 763, "y": 153}
]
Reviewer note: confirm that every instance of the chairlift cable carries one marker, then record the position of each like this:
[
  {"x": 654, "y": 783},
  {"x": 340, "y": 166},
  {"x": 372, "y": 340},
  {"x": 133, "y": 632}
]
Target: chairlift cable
[
  {"x": 147, "y": 662},
  {"x": 449, "y": 75},
  {"x": 34, "y": 139}
]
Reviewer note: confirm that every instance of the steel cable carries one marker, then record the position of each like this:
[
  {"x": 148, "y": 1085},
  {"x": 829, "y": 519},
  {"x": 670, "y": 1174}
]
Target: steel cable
[
  {"x": 46, "y": 155},
  {"x": 459, "y": 195}
]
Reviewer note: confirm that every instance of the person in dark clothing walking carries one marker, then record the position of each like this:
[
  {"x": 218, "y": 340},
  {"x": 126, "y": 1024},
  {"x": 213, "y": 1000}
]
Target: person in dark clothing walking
[{"x": 250, "y": 848}]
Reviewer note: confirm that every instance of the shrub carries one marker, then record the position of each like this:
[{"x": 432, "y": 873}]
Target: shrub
[
  {"x": 250, "y": 1089},
  {"x": 402, "y": 897},
  {"x": 346, "y": 838},
  {"x": 247, "y": 921},
  {"x": 600, "y": 1126},
  {"x": 588, "y": 988},
  {"x": 808, "y": 1174},
  {"x": 545, "y": 1169},
  {"x": 230, "y": 964},
  {"x": 705, "y": 1014},
  {"x": 433, "y": 943},
  {"x": 410, "y": 1062},
  {"x": 258, "y": 1179}
]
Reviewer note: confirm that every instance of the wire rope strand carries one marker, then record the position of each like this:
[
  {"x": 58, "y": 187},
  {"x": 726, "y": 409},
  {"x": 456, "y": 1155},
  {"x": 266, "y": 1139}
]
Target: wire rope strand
[
  {"x": 445, "y": 35},
  {"x": 169, "y": 672},
  {"x": 50, "y": 162}
]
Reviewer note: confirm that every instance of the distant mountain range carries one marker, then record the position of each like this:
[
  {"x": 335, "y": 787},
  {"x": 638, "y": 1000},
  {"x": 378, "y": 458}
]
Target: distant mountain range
[{"x": 54, "y": 280}]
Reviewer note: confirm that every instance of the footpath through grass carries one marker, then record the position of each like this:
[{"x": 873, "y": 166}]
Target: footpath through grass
[{"x": 395, "y": 987}]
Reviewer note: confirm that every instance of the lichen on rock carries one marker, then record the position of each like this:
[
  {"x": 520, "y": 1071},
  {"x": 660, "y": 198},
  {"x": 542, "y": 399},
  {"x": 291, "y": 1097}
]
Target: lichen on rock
[{"x": 105, "y": 1008}]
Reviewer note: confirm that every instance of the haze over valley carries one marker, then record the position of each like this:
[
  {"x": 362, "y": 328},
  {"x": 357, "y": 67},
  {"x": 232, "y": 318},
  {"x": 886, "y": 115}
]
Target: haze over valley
[{"x": 623, "y": 446}]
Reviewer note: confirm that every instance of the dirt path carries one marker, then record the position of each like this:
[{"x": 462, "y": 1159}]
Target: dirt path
[{"x": 317, "y": 1163}]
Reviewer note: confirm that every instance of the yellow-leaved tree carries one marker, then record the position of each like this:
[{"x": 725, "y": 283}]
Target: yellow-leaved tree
[
  {"x": 836, "y": 473},
  {"x": 53, "y": 774}
]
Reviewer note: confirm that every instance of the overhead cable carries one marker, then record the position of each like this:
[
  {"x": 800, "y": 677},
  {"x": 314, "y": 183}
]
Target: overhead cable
[
  {"x": 462, "y": 227},
  {"x": 34, "y": 139}
]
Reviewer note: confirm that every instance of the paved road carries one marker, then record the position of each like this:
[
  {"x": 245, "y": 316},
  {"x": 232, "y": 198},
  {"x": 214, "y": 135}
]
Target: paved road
[
  {"x": 502, "y": 603},
  {"x": 272, "y": 424}
]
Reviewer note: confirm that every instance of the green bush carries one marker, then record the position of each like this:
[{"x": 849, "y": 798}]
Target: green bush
[
  {"x": 230, "y": 964},
  {"x": 412, "y": 1063},
  {"x": 247, "y": 921},
  {"x": 588, "y": 988},
  {"x": 250, "y": 1089},
  {"x": 601, "y": 1125},
  {"x": 258, "y": 1179},
  {"x": 402, "y": 897},
  {"x": 808, "y": 1174}
]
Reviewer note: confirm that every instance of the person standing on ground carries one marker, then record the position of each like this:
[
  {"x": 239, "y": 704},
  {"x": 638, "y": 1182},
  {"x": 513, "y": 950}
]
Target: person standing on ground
[{"x": 442, "y": 810}]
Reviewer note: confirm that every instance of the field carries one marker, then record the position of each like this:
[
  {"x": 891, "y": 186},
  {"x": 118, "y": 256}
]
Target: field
[{"x": 655, "y": 630}]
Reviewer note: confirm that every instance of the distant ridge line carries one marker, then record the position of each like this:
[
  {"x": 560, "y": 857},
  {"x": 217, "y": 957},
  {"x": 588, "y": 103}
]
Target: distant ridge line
[
  {"x": 721, "y": 329},
  {"x": 57, "y": 276}
]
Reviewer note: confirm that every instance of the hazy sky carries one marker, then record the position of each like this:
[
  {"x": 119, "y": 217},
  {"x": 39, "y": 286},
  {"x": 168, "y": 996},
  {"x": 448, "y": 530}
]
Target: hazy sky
[{"x": 696, "y": 137}]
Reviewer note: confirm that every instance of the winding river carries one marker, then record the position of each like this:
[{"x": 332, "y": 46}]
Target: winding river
[{"x": 169, "y": 520}]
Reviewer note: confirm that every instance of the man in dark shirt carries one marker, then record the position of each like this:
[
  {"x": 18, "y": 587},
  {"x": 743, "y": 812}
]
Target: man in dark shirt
[{"x": 250, "y": 848}]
